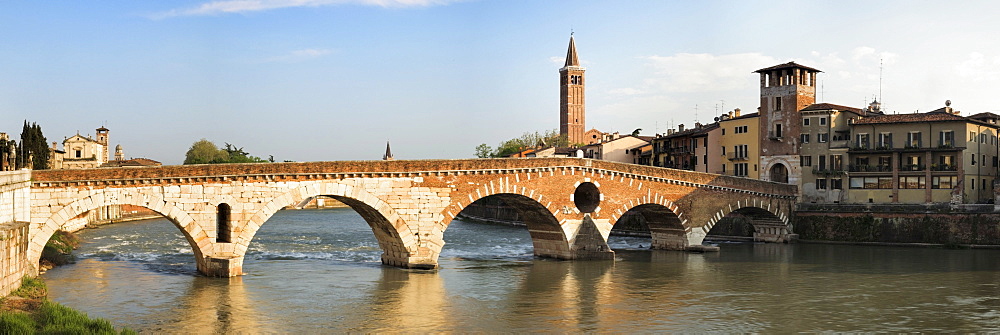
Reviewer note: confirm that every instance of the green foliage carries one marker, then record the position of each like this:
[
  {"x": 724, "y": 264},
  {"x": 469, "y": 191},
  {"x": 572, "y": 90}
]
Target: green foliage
[
  {"x": 636, "y": 131},
  {"x": 206, "y": 152},
  {"x": 527, "y": 141},
  {"x": 34, "y": 148},
  {"x": 31, "y": 288},
  {"x": 59, "y": 319},
  {"x": 59, "y": 249},
  {"x": 16, "y": 323}
]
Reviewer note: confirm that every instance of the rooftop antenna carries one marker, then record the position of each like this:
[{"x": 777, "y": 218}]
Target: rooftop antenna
[
  {"x": 880, "y": 80},
  {"x": 695, "y": 112},
  {"x": 822, "y": 90},
  {"x": 723, "y": 107}
]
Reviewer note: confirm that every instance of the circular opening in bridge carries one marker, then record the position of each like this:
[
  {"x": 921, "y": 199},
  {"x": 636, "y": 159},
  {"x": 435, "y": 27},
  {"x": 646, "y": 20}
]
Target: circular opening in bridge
[{"x": 587, "y": 197}]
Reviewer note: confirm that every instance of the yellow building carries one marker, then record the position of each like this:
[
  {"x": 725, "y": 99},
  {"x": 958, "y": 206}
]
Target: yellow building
[
  {"x": 739, "y": 143},
  {"x": 824, "y": 137},
  {"x": 938, "y": 156}
]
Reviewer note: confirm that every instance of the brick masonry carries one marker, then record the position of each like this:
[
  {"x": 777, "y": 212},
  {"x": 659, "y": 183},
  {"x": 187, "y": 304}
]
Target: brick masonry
[{"x": 410, "y": 204}]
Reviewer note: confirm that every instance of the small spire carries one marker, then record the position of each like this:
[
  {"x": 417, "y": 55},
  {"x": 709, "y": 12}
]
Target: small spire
[
  {"x": 388, "y": 153},
  {"x": 571, "y": 57}
]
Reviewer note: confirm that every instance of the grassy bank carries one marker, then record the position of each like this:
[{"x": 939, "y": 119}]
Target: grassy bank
[{"x": 28, "y": 310}]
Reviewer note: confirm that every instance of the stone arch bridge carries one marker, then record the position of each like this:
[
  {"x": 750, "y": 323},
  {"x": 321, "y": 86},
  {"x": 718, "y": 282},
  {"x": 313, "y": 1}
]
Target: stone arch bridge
[{"x": 569, "y": 205}]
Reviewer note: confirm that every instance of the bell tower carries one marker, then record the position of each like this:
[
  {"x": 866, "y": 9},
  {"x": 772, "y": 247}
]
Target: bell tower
[{"x": 572, "y": 112}]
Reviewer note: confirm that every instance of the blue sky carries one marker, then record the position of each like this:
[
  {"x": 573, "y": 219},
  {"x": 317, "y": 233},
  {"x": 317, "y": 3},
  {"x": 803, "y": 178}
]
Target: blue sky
[{"x": 311, "y": 80}]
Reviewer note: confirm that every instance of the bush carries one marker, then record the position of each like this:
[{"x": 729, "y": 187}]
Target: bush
[{"x": 59, "y": 319}]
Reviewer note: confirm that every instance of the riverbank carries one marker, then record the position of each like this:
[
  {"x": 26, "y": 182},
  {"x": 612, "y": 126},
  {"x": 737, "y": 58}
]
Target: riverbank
[{"x": 27, "y": 310}]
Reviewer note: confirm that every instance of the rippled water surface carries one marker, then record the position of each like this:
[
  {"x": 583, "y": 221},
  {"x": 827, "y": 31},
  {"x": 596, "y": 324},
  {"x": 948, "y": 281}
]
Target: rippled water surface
[{"x": 318, "y": 271}]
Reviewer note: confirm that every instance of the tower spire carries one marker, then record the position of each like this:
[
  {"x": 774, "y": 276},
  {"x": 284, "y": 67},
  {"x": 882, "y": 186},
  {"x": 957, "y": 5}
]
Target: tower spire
[
  {"x": 388, "y": 153},
  {"x": 571, "y": 57}
]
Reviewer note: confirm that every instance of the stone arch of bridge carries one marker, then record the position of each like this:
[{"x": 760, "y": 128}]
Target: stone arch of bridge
[
  {"x": 548, "y": 238},
  {"x": 107, "y": 197},
  {"x": 398, "y": 241},
  {"x": 667, "y": 227},
  {"x": 768, "y": 220}
]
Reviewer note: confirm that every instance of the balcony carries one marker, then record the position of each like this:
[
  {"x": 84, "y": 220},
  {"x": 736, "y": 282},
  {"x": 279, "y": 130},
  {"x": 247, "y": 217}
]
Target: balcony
[
  {"x": 828, "y": 172},
  {"x": 912, "y": 167},
  {"x": 864, "y": 146},
  {"x": 943, "y": 167},
  {"x": 870, "y": 168},
  {"x": 736, "y": 156}
]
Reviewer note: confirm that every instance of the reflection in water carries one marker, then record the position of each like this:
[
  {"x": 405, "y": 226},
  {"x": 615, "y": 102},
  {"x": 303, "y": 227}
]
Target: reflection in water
[{"x": 318, "y": 271}]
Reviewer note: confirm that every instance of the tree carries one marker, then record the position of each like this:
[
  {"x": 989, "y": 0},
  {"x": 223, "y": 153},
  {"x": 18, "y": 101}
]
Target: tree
[
  {"x": 206, "y": 152},
  {"x": 528, "y": 140},
  {"x": 636, "y": 131},
  {"x": 34, "y": 148},
  {"x": 484, "y": 151}
]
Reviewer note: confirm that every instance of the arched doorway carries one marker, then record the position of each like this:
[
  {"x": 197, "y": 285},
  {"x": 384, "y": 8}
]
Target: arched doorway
[{"x": 779, "y": 173}]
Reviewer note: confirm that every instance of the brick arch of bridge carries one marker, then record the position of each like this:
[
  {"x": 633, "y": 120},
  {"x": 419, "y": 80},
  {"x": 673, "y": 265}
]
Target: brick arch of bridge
[
  {"x": 548, "y": 238},
  {"x": 399, "y": 242},
  {"x": 766, "y": 216},
  {"x": 667, "y": 227},
  {"x": 115, "y": 196}
]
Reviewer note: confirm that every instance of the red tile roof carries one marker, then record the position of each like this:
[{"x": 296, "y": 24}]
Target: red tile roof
[
  {"x": 827, "y": 106},
  {"x": 789, "y": 65},
  {"x": 912, "y": 117}
]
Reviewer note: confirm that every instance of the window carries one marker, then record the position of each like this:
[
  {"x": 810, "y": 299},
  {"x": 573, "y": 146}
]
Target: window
[
  {"x": 943, "y": 182},
  {"x": 79, "y": 153},
  {"x": 982, "y": 138},
  {"x": 777, "y": 130},
  {"x": 972, "y": 136},
  {"x": 871, "y": 182},
  {"x": 913, "y": 139},
  {"x": 705, "y": 143},
  {"x": 806, "y": 160},
  {"x": 723, "y": 131},
  {"x": 804, "y": 138},
  {"x": 822, "y": 162},
  {"x": 741, "y": 129},
  {"x": 805, "y": 121},
  {"x": 723, "y": 151},
  {"x": 820, "y": 184},
  {"x": 836, "y": 163},
  {"x": 884, "y": 140},
  {"x": 912, "y": 182},
  {"x": 861, "y": 141},
  {"x": 822, "y": 138},
  {"x": 973, "y": 162},
  {"x": 946, "y": 139},
  {"x": 822, "y": 121},
  {"x": 740, "y": 169},
  {"x": 777, "y": 103},
  {"x": 836, "y": 184}
]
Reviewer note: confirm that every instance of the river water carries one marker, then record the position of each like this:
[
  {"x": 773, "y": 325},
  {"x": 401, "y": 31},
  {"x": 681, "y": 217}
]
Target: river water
[{"x": 318, "y": 271}]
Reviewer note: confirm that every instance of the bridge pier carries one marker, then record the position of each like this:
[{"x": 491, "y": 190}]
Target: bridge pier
[
  {"x": 591, "y": 242},
  {"x": 221, "y": 267}
]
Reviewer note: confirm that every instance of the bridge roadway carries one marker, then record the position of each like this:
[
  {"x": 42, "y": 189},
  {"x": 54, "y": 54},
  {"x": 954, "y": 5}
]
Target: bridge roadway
[{"x": 569, "y": 204}]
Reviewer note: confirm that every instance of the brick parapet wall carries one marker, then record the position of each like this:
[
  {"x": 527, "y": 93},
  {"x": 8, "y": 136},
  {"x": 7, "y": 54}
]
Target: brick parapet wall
[{"x": 196, "y": 174}]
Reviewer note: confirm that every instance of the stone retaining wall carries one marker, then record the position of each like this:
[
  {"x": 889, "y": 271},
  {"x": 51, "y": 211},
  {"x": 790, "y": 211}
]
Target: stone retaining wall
[
  {"x": 15, "y": 211},
  {"x": 946, "y": 229}
]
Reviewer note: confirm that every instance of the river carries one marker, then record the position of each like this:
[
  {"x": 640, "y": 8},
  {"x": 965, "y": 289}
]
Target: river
[{"x": 318, "y": 271}]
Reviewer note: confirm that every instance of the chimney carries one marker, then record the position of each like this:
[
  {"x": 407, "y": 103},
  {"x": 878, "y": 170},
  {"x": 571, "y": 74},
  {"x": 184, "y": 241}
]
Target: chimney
[
  {"x": 697, "y": 125},
  {"x": 730, "y": 115},
  {"x": 737, "y": 112},
  {"x": 680, "y": 127},
  {"x": 54, "y": 145}
]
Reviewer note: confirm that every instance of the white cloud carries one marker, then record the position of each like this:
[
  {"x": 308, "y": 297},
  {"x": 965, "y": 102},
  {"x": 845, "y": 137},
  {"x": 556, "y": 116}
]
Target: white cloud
[
  {"x": 246, "y": 6},
  {"x": 705, "y": 72},
  {"x": 300, "y": 55},
  {"x": 979, "y": 67}
]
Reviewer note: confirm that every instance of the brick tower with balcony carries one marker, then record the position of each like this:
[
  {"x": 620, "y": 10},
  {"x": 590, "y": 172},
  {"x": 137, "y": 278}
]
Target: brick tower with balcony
[{"x": 572, "y": 112}]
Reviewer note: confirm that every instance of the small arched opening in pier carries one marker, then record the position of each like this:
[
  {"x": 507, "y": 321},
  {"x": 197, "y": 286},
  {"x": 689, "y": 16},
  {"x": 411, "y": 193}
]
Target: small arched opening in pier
[{"x": 223, "y": 223}]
